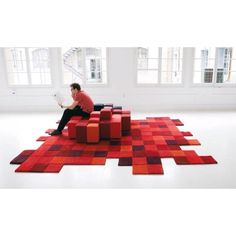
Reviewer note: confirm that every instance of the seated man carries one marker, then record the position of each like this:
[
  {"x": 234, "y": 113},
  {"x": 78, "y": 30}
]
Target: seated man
[{"x": 82, "y": 106}]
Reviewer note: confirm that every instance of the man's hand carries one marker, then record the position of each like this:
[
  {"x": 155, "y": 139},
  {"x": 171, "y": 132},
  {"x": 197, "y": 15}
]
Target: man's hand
[{"x": 60, "y": 105}]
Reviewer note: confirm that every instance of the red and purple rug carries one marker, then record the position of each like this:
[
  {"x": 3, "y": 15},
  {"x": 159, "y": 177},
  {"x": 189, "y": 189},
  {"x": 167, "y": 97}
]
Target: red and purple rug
[{"x": 143, "y": 148}]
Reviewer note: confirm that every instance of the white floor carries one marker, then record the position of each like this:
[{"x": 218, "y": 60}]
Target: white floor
[{"x": 215, "y": 130}]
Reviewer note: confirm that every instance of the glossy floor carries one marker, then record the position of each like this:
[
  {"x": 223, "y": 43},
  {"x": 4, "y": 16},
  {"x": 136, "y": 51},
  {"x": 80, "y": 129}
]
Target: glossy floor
[{"x": 215, "y": 130}]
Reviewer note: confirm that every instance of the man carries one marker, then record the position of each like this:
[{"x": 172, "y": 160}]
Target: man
[{"x": 81, "y": 106}]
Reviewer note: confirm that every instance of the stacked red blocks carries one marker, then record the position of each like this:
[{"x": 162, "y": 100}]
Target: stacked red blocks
[{"x": 108, "y": 123}]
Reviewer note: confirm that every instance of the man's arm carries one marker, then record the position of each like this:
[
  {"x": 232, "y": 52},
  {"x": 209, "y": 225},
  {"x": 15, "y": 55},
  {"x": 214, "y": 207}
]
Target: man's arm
[{"x": 71, "y": 107}]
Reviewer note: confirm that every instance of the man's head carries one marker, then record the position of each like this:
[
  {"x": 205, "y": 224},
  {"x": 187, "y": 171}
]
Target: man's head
[{"x": 75, "y": 87}]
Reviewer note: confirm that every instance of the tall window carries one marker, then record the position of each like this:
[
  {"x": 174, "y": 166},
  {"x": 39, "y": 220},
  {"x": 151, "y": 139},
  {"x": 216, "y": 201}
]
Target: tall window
[
  {"x": 215, "y": 66},
  {"x": 28, "y": 66},
  {"x": 159, "y": 65},
  {"x": 84, "y": 65}
]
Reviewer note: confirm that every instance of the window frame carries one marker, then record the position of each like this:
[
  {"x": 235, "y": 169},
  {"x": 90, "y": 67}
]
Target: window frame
[
  {"x": 84, "y": 80},
  {"x": 29, "y": 85},
  {"x": 158, "y": 81},
  {"x": 214, "y": 84}
]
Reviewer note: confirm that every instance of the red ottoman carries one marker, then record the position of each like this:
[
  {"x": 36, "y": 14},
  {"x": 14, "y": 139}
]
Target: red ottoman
[
  {"x": 95, "y": 114},
  {"x": 105, "y": 129},
  {"x": 125, "y": 120},
  {"x": 94, "y": 120},
  {"x": 71, "y": 128},
  {"x": 125, "y": 112},
  {"x": 116, "y": 111},
  {"x": 115, "y": 129},
  {"x": 105, "y": 114},
  {"x": 81, "y": 131},
  {"x": 76, "y": 118},
  {"x": 93, "y": 133}
]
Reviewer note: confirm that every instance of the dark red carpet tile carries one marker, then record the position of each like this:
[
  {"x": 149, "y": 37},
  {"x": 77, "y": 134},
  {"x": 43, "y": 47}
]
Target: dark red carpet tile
[
  {"x": 177, "y": 122},
  {"x": 194, "y": 160},
  {"x": 181, "y": 160},
  {"x": 174, "y": 147},
  {"x": 23, "y": 156},
  {"x": 39, "y": 167},
  {"x": 142, "y": 148},
  {"x": 53, "y": 168},
  {"x": 28, "y": 164},
  {"x": 126, "y": 161},
  {"x": 208, "y": 160},
  {"x": 43, "y": 138},
  {"x": 155, "y": 169},
  {"x": 153, "y": 160},
  {"x": 186, "y": 133}
]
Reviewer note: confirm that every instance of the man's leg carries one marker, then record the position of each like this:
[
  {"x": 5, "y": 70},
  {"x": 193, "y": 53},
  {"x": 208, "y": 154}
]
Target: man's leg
[{"x": 65, "y": 118}]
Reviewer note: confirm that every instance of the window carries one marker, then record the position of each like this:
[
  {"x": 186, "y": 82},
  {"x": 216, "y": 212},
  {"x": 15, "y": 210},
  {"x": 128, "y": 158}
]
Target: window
[
  {"x": 84, "y": 65},
  {"x": 28, "y": 66},
  {"x": 214, "y": 66},
  {"x": 159, "y": 65}
]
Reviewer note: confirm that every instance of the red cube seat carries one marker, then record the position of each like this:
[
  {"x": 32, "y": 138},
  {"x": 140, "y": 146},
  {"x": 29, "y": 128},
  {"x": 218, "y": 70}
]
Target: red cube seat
[
  {"x": 81, "y": 131},
  {"x": 93, "y": 133},
  {"x": 115, "y": 128}
]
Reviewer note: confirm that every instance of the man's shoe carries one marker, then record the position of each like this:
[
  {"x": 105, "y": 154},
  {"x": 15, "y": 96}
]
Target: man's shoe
[{"x": 55, "y": 132}]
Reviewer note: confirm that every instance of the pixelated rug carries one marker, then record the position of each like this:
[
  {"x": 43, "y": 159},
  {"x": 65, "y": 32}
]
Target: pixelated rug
[{"x": 142, "y": 148}]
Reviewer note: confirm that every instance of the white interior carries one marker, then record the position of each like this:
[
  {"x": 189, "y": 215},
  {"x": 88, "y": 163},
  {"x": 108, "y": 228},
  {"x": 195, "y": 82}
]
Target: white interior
[{"x": 121, "y": 88}]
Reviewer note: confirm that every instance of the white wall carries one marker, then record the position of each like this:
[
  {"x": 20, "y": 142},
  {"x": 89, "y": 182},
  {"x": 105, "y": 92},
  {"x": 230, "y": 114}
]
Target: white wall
[{"x": 121, "y": 90}]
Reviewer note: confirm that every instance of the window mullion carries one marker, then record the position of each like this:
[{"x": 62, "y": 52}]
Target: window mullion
[
  {"x": 215, "y": 67},
  {"x": 28, "y": 66},
  {"x": 159, "y": 65},
  {"x": 84, "y": 65}
]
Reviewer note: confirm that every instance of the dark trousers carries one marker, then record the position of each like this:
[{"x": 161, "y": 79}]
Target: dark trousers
[{"x": 77, "y": 111}]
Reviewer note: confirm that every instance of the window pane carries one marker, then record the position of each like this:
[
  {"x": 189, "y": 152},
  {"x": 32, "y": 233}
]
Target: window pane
[
  {"x": 175, "y": 53},
  {"x": 205, "y": 53},
  {"x": 16, "y": 66},
  {"x": 173, "y": 77},
  {"x": 15, "y": 54},
  {"x": 231, "y": 77},
  {"x": 72, "y": 59},
  {"x": 94, "y": 75},
  {"x": 104, "y": 65},
  {"x": 84, "y": 63},
  {"x": 147, "y": 76},
  {"x": 36, "y": 78},
  {"x": 143, "y": 64},
  {"x": 71, "y": 78},
  {"x": 171, "y": 65},
  {"x": 95, "y": 63},
  {"x": 205, "y": 76},
  {"x": 152, "y": 64},
  {"x": 22, "y": 78},
  {"x": 12, "y": 78},
  {"x": 225, "y": 65},
  {"x": 39, "y": 62},
  {"x": 204, "y": 65},
  {"x": 104, "y": 52},
  {"x": 153, "y": 52}
]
